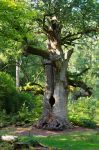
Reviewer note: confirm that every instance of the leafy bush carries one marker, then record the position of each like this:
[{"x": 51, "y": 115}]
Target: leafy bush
[
  {"x": 29, "y": 113},
  {"x": 83, "y": 122},
  {"x": 10, "y": 98},
  {"x": 17, "y": 107},
  {"x": 6, "y": 146},
  {"x": 8, "y": 93},
  {"x": 4, "y": 119},
  {"x": 82, "y": 112},
  {"x": 87, "y": 123}
]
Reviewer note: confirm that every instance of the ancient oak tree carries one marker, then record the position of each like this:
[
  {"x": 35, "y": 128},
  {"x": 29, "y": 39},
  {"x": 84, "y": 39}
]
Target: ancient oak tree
[
  {"x": 51, "y": 29},
  {"x": 61, "y": 26}
]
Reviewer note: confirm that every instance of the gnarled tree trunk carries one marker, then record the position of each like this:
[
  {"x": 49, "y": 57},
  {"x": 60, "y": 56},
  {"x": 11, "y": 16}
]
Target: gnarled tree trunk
[
  {"x": 56, "y": 93},
  {"x": 55, "y": 100},
  {"x": 55, "y": 115}
]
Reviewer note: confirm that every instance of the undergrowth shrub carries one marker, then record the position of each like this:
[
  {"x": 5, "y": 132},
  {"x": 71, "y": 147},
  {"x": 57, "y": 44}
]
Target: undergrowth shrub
[
  {"x": 82, "y": 112},
  {"x": 30, "y": 112},
  {"x": 8, "y": 93},
  {"x": 4, "y": 119},
  {"x": 10, "y": 98},
  {"x": 16, "y": 106}
]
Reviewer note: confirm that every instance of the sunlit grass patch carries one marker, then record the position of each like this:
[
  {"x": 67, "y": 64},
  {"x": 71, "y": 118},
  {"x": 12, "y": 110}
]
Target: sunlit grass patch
[{"x": 72, "y": 141}]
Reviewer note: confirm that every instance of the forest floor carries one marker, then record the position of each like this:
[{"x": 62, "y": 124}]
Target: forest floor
[
  {"x": 69, "y": 139},
  {"x": 30, "y": 130}
]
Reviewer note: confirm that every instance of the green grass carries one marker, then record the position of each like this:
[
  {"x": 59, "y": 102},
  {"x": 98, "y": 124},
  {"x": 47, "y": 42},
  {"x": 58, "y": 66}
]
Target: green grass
[
  {"x": 86, "y": 140},
  {"x": 71, "y": 141}
]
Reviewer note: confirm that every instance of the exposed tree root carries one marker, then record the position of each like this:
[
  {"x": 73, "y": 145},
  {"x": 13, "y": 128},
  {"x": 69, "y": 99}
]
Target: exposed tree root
[{"x": 53, "y": 123}]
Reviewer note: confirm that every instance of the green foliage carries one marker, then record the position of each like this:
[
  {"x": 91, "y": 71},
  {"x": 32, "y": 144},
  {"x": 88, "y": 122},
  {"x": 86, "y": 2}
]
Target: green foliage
[
  {"x": 74, "y": 15},
  {"x": 5, "y": 146},
  {"x": 31, "y": 71},
  {"x": 10, "y": 98},
  {"x": 16, "y": 23},
  {"x": 8, "y": 93},
  {"x": 83, "y": 112},
  {"x": 4, "y": 119},
  {"x": 29, "y": 113},
  {"x": 13, "y": 101},
  {"x": 36, "y": 89},
  {"x": 15, "y": 106},
  {"x": 87, "y": 123}
]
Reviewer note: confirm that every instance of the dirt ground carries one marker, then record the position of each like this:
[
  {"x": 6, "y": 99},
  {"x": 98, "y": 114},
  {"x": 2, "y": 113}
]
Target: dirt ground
[
  {"x": 12, "y": 130},
  {"x": 30, "y": 130}
]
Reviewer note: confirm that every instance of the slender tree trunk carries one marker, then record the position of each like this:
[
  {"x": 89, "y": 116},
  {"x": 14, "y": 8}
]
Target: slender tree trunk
[
  {"x": 17, "y": 73},
  {"x": 55, "y": 115}
]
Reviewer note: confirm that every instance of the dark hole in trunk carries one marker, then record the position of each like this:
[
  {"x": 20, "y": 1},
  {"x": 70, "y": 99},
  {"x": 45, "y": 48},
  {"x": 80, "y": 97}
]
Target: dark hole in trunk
[
  {"x": 58, "y": 125},
  {"x": 52, "y": 101}
]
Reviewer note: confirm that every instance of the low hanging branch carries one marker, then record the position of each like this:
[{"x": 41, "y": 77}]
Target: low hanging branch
[
  {"x": 33, "y": 87},
  {"x": 82, "y": 85},
  {"x": 36, "y": 51}
]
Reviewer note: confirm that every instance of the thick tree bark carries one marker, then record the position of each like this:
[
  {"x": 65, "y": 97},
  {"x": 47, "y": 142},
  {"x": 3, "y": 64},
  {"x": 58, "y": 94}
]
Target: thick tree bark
[{"x": 55, "y": 115}]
